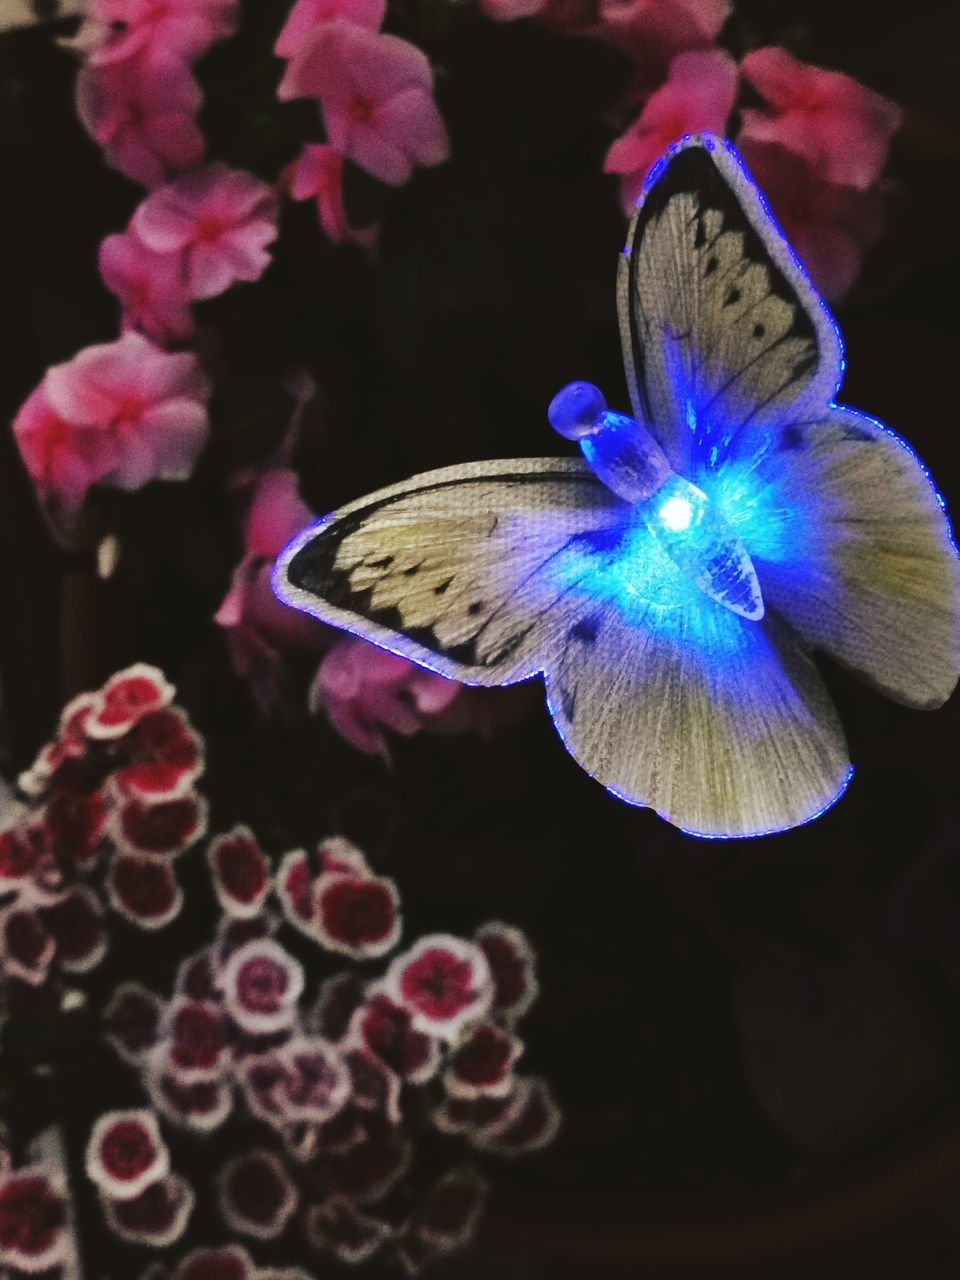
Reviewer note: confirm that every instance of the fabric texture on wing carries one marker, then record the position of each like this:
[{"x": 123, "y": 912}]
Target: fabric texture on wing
[
  {"x": 852, "y": 545},
  {"x": 721, "y": 329},
  {"x": 454, "y": 568},
  {"x": 721, "y": 725}
]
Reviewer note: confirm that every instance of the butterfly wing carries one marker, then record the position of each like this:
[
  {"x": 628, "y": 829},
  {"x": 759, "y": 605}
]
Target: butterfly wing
[
  {"x": 721, "y": 328},
  {"x": 461, "y": 570}
]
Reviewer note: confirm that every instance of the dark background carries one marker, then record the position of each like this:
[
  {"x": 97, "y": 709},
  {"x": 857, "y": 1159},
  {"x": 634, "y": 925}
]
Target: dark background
[{"x": 756, "y": 1044}]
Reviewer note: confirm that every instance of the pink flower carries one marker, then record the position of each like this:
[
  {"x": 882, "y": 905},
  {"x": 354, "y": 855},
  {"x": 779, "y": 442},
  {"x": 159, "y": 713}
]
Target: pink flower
[
  {"x": 665, "y": 26},
  {"x": 839, "y": 126},
  {"x": 180, "y": 29},
  {"x": 62, "y": 459},
  {"x": 219, "y": 220},
  {"x": 149, "y": 286},
  {"x": 511, "y": 10},
  {"x": 698, "y": 94},
  {"x": 259, "y": 628},
  {"x": 831, "y": 227},
  {"x": 318, "y": 175},
  {"x": 376, "y": 92},
  {"x": 148, "y": 405},
  {"x": 144, "y": 115},
  {"x": 364, "y": 690},
  {"x": 307, "y": 15}
]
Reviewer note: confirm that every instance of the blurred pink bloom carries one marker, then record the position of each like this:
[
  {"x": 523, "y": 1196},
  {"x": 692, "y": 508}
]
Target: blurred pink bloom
[
  {"x": 667, "y": 26},
  {"x": 831, "y": 227},
  {"x": 376, "y": 92},
  {"x": 510, "y": 10},
  {"x": 63, "y": 460},
  {"x": 259, "y": 628},
  {"x": 143, "y": 112},
  {"x": 318, "y": 174},
  {"x": 149, "y": 286},
  {"x": 365, "y": 690},
  {"x": 149, "y": 405},
  {"x": 837, "y": 124},
  {"x": 306, "y": 15},
  {"x": 698, "y": 94},
  {"x": 220, "y": 220},
  {"x": 176, "y": 28}
]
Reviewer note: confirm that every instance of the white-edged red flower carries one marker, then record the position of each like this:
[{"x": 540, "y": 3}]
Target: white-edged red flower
[
  {"x": 530, "y": 1122},
  {"x": 356, "y": 916},
  {"x": 125, "y": 699},
  {"x": 33, "y": 1219},
  {"x": 240, "y": 872},
  {"x": 126, "y": 1153},
  {"x": 443, "y": 982},
  {"x": 386, "y": 1029},
  {"x": 197, "y": 1043},
  {"x": 27, "y": 947},
  {"x": 305, "y": 1079},
  {"x": 160, "y": 758},
  {"x": 76, "y": 923},
  {"x": 482, "y": 1063},
  {"x": 202, "y": 1105},
  {"x": 144, "y": 890},
  {"x": 168, "y": 827},
  {"x": 261, "y": 984},
  {"x": 257, "y": 1196},
  {"x": 229, "y": 1263},
  {"x": 512, "y": 964},
  {"x": 132, "y": 1021},
  {"x": 339, "y": 1227},
  {"x": 157, "y": 1217}
]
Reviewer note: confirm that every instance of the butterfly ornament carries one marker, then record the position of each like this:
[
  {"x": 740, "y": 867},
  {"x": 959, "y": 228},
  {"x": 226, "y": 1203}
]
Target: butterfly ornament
[{"x": 671, "y": 583}]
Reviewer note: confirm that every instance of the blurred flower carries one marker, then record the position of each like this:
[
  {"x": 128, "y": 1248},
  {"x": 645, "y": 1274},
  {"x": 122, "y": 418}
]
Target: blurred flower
[
  {"x": 259, "y": 627},
  {"x": 318, "y": 175},
  {"x": 149, "y": 286},
  {"x": 839, "y": 126},
  {"x": 698, "y": 95},
  {"x": 176, "y": 28},
  {"x": 831, "y": 227},
  {"x": 365, "y": 689},
  {"x": 511, "y": 10},
  {"x": 307, "y": 15},
  {"x": 218, "y": 220},
  {"x": 143, "y": 112},
  {"x": 257, "y": 1196},
  {"x": 156, "y": 1217},
  {"x": 33, "y": 1219},
  {"x": 376, "y": 92},
  {"x": 655, "y": 30}
]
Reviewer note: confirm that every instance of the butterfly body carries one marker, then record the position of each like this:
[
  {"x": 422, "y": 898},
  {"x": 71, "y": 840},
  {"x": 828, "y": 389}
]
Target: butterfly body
[{"x": 672, "y": 584}]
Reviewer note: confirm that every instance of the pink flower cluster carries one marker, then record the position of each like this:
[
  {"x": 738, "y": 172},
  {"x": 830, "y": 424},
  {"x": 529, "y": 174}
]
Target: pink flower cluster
[
  {"x": 34, "y": 1228},
  {"x": 334, "y": 1077},
  {"x": 136, "y": 92},
  {"x": 111, "y": 802},
  {"x": 817, "y": 148},
  {"x": 375, "y": 92}
]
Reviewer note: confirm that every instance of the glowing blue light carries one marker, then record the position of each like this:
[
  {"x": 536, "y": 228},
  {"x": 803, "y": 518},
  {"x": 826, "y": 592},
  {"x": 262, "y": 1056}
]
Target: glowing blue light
[{"x": 676, "y": 514}]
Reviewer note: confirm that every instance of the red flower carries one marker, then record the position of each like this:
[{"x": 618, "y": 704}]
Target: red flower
[
  {"x": 375, "y": 1086},
  {"x": 444, "y": 982},
  {"x": 160, "y": 758},
  {"x": 74, "y": 826},
  {"x": 352, "y": 1236},
  {"x": 197, "y": 1042},
  {"x": 482, "y": 1063},
  {"x": 126, "y": 1153},
  {"x": 262, "y": 984},
  {"x": 144, "y": 890},
  {"x": 76, "y": 923},
  {"x": 27, "y": 947},
  {"x": 157, "y": 1217},
  {"x": 166, "y": 828},
  {"x": 447, "y": 1218},
  {"x": 386, "y": 1029},
  {"x": 531, "y": 1122},
  {"x": 126, "y": 698},
  {"x": 371, "y": 1167},
  {"x": 20, "y": 851},
  {"x": 304, "y": 1079},
  {"x": 511, "y": 959},
  {"x": 231, "y": 1263},
  {"x": 358, "y": 917},
  {"x": 241, "y": 874},
  {"x": 32, "y": 1220},
  {"x": 201, "y": 1104},
  {"x": 256, "y": 1195},
  {"x": 339, "y": 999},
  {"x": 132, "y": 1021}
]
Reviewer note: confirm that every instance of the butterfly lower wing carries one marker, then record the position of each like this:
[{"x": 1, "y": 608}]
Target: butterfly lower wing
[
  {"x": 853, "y": 547},
  {"x": 721, "y": 725},
  {"x": 721, "y": 329},
  {"x": 457, "y": 569}
]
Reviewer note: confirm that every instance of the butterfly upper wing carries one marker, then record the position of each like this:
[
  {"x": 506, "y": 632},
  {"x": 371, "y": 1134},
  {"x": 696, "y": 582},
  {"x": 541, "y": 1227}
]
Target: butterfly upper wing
[
  {"x": 720, "y": 326},
  {"x": 459, "y": 569}
]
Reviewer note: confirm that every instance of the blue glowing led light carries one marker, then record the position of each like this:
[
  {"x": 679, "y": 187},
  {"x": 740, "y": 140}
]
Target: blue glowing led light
[{"x": 690, "y": 528}]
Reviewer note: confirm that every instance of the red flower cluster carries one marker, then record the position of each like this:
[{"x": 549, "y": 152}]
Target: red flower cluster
[
  {"x": 338, "y": 1078},
  {"x": 111, "y": 802}
]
